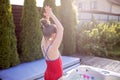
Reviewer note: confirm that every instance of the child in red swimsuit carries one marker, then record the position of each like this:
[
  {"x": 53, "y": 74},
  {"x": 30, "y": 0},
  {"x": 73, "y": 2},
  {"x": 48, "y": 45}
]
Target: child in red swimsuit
[{"x": 52, "y": 37}]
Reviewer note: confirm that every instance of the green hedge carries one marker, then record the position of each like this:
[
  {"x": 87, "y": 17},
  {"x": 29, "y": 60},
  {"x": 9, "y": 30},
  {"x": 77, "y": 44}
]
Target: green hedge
[
  {"x": 98, "y": 39},
  {"x": 8, "y": 50},
  {"x": 30, "y": 36}
]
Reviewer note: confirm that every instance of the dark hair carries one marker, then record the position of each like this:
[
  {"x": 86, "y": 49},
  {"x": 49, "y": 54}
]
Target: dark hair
[{"x": 47, "y": 28}]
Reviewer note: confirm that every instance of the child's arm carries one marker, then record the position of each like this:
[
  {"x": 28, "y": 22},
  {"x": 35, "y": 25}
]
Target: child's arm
[{"x": 59, "y": 27}]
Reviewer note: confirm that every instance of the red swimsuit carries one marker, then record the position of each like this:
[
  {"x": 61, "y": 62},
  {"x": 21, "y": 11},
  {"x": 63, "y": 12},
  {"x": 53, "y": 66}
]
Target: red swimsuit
[{"x": 54, "y": 68}]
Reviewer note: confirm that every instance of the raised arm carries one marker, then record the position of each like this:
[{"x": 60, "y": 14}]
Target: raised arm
[{"x": 59, "y": 28}]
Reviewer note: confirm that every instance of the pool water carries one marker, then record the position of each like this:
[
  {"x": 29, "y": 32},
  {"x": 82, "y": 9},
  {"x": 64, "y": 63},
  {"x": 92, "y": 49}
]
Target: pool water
[
  {"x": 90, "y": 73},
  {"x": 82, "y": 77}
]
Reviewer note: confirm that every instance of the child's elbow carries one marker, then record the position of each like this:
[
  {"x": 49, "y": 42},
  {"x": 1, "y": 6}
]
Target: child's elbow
[{"x": 62, "y": 29}]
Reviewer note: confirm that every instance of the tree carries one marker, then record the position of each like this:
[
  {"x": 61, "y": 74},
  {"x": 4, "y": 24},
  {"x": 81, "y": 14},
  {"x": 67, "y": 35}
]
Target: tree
[
  {"x": 8, "y": 50},
  {"x": 68, "y": 19},
  {"x": 30, "y": 36}
]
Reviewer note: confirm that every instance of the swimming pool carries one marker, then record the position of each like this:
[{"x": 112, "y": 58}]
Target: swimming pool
[{"x": 84, "y": 72}]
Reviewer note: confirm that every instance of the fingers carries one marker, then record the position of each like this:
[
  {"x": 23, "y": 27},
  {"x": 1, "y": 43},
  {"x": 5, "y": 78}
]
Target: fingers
[
  {"x": 48, "y": 12},
  {"x": 46, "y": 16},
  {"x": 48, "y": 9}
]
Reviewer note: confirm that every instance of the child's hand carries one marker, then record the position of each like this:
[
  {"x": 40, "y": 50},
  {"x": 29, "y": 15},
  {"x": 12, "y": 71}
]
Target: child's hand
[
  {"x": 46, "y": 16},
  {"x": 48, "y": 11}
]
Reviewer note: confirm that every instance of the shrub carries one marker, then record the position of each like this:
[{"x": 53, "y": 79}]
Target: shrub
[
  {"x": 30, "y": 36},
  {"x": 98, "y": 40},
  {"x": 8, "y": 50}
]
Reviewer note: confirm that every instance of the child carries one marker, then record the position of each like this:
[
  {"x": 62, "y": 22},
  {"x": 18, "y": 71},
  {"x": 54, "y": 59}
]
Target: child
[{"x": 52, "y": 37}]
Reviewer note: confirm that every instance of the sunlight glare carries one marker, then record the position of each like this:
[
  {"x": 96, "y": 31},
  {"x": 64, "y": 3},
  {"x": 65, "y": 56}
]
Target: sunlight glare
[
  {"x": 39, "y": 3},
  {"x": 58, "y": 2}
]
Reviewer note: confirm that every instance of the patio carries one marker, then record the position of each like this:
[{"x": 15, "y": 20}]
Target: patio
[{"x": 103, "y": 63}]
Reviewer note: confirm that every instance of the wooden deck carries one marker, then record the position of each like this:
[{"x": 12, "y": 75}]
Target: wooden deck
[{"x": 107, "y": 64}]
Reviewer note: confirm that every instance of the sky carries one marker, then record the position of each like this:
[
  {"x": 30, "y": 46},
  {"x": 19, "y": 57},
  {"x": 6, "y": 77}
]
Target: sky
[{"x": 39, "y": 3}]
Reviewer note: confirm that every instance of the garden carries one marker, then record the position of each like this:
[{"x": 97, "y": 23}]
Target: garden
[
  {"x": 99, "y": 39},
  {"x": 90, "y": 38}
]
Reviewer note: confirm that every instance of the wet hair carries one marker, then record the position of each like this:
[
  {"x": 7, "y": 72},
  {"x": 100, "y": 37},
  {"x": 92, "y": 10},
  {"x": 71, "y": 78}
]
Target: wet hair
[{"x": 47, "y": 28}]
